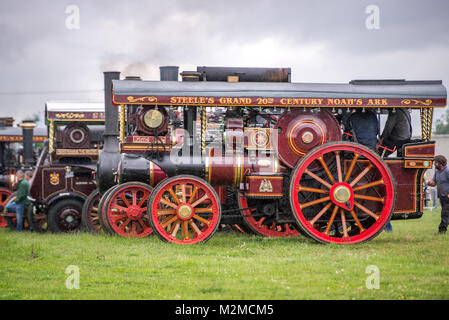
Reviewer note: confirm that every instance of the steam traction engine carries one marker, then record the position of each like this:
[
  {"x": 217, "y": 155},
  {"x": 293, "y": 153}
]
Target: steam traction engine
[
  {"x": 282, "y": 152},
  {"x": 18, "y": 146},
  {"x": 65, "y": 172}
]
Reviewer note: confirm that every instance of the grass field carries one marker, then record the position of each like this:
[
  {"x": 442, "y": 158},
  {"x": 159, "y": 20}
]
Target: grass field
[{"x": 413, "y": 263}]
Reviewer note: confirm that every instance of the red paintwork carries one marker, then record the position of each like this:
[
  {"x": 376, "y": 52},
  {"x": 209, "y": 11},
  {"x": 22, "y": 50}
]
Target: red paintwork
[
  {"x": 127, "y": 211},
  {"x": 384, "y": 210},
  {"x": 158, "y": 202},
  {"x": 421, "y": 150},
  {"x": 321, "y": 127}
]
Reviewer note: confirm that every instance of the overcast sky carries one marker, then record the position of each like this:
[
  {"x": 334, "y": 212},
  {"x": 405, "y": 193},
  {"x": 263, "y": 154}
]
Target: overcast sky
[{"x": 42, "y": 59}]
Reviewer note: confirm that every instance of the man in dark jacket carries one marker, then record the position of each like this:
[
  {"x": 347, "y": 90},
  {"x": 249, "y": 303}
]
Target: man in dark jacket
[
  {"x": 363, "y": 126},
  {"x": 397, "y": 131},
  {"x": 441, "y": 181},
  {"x": 18, "y": 206}
]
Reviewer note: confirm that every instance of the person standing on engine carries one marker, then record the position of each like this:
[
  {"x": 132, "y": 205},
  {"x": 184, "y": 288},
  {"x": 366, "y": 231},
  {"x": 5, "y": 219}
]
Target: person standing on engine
[
  {"x": 397, "y": 131},
  {"x": 441, "y": 181},
  {"x": 362, "y": 126}
]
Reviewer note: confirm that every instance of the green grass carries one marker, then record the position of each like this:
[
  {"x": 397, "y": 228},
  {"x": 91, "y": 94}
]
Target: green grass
[{"x": 413, "y": 263}]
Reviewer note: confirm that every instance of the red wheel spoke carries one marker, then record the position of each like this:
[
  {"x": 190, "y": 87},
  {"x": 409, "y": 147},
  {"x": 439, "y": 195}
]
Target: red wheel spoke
[
  {"x": 176, "y": 228},
  {"x": 195, "y": 227},
  {"x": 134, "y": 228},
  {"x": 116, "y": 218},
  {"x": 314, "y": 202},
  {"x": 118, "y": 208},
  {"x": 357, "y": 221},
  {"x": 351, "y": 167},
  {"x": 369, "y": 185},
  {"x": 193, "y": 194},
  {"x": 123, "y": 197},
  {"x": 337, "y": 159},
  {"x": 170, "y": 204},
  {"x": 162, "y": 212},
  {"x": 361, "y": 175},
  {"x": 302, "y": 188},
  {"x": 261, "y": 221},
  {"x": 312, "y": 222},
  {"x": 343, "y": 222},
  {"x": 325, "y": 167},
  {"x": 183, "y": 193},
  {"x": 307, "y": 171},
  {"x": 134, "y": 196},
  {"x": 200, "y": 200},
  {"x": 366, "y": 210},
  {"x": 203, "y": 210},
  {"x": 144, "y": 198},
  {"x": 168, "y": 221},
  {"x": 331, "y": 220},
  {"x": 185, "y": 228},
  {"x": 173, "y": 194},
  {"x": 359, "y": 196},
  {"x": 201, "y": 219},
  {"x": 143, "y": 224},
  {"x": 125, "y": 224}
]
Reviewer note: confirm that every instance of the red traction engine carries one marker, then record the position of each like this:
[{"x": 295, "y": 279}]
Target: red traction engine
[{"x": 281, "y": 155}]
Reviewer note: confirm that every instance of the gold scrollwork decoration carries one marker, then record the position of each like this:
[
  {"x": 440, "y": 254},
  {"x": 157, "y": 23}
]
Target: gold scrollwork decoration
[
  {"x": 428, "y": 102},
  {"x": 69, "y": 115},
  {"x": 142, "y": 99}
]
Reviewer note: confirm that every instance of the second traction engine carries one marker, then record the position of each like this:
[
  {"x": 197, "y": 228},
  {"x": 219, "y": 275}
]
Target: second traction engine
[{"x": 254, "y": 158}]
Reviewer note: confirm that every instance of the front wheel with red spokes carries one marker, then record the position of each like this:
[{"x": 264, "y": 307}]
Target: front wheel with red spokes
[
  {"x": 125, "y": 210},
  {"x": 348, "y": 202},
  {"x": 185, "y": 210}
]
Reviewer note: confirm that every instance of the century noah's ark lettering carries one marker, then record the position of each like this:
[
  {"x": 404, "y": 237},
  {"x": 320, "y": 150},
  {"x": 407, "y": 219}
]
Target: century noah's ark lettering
[{"x": 278, "y": 101}]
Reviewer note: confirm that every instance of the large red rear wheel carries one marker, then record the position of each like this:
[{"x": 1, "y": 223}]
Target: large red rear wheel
[
  {"x": 184, "y": 210},
  {"x": 349, "y": 201},
  {"x": 4, "y": 195},
  {"x": 260, "y": 216},
  {"x": 125, "y": 210}
]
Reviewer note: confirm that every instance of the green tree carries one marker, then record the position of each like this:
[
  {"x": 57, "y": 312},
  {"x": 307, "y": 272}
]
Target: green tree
[{"x": 442, "y": 124}]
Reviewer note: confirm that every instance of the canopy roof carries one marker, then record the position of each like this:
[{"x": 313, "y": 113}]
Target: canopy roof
[
  {"x": 357, "y": 93},
  {"x": 69, "y": 111},
  {"x": 14, "y": 134}
]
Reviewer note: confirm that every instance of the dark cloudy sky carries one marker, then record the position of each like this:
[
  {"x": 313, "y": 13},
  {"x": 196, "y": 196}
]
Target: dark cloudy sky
[{"x": 322, "y": 41}]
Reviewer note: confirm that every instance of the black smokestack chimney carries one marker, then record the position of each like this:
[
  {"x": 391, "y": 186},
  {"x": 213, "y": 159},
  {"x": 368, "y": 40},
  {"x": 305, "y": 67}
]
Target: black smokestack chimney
[
  {"x": 28, "y": 152},
  {"x": 111, "y": 111},
  {"x": 110, "y": 155},
  {"x": 169, "y": 73}
]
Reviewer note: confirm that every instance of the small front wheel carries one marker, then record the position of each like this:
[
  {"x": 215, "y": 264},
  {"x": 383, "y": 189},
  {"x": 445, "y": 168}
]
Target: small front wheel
[
  {"x": 184, "y": 210},
  {"x": 65, "y": 216}
]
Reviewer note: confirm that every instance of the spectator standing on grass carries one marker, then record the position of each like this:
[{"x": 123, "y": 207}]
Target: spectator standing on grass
[
  {"x": 19, "y": 204},
  {"x": 441, "y": 181}
]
